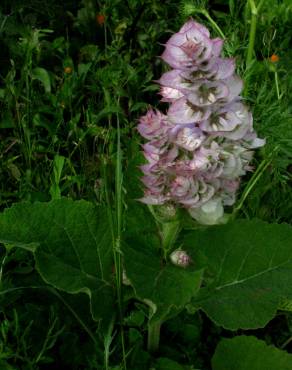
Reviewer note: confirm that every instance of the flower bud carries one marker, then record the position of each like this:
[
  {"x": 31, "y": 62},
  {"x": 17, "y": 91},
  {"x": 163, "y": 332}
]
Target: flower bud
[
  {"x": 166, "y": 212},
  {"x": 180, "y": 258},
  {"x": 126, "y": 280}
]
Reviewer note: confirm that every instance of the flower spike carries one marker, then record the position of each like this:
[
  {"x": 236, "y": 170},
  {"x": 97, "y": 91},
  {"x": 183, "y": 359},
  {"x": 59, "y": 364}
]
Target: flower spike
[{"x": 200, "y": 149}]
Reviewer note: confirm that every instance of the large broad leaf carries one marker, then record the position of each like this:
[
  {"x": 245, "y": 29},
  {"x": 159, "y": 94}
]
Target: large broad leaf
[
  {"x": 71, "y": 243},
  {"x": 165, "y": 287},
  {"x": 164, "y": 363},
  {"x": 248, "y": 270},
  {"x": 249, "y": 353}
]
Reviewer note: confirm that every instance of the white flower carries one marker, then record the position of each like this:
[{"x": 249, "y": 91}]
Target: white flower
[{"x": 210, "y": 213}]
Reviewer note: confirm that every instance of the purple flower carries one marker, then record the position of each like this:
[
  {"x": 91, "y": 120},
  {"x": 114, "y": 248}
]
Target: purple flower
[
  {"x": 199, "y": 150},
  {"x": 187, "y": 136},
  {"x": 222, "y": 69},
  {"x": 153, "y": 125},
  {"x": 205, "y": 93},
  {"x": 183, "y": 111},
  {"x": 153, "y": 198},
  {"x": 169, "y": 94},
  {"x": 232, "y": 121},
  {"x": 191, "y": 47}
]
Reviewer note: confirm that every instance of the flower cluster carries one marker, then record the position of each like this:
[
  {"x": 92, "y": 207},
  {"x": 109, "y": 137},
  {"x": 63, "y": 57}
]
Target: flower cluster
[{"x": 198, "y": 151}]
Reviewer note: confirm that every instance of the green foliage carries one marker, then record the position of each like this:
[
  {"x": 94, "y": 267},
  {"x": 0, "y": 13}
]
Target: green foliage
[
  {"x": 68, "y": 77},
  {"x": 164, "y": 287},
  {"x": 167, "y": 364},
  {"x": 249, "y": 353},
  {"x": 248, "y": 269},
  {"x": 71, "y": 245}
]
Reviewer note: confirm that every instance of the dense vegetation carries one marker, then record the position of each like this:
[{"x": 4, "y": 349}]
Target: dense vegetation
[{"x": 74, "y": 79}]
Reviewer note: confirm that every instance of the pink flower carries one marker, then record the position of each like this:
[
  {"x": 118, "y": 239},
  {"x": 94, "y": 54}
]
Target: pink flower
[
  {"x": 191, "y": 47},
  {"x": 153, "y": 125},
  {"x": 199, "y": 150},
  {"x": 183, "y": 111},
  {"x": 232, "y": 121},
  {"x": 188, "y": 137}
]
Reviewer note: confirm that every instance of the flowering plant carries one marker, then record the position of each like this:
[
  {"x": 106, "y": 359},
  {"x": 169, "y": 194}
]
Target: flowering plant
[{"x": 198, "y": 151}]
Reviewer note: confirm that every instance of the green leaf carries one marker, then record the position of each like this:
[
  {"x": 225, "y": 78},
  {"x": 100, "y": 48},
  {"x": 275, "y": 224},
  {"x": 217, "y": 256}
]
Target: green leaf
[
  {"x": 248, "y": 271},
  {"x": 58, "y": 165},
  {"x": 164, "y": 363},
  {"x": 168, "y": 287},
  {"x": 133, "y": 174},
  {"x": 7, "y": 120},
  {"x": 5, "y": 366},
  {"x": 249, "y": 353},
  {"x": 163, "y": 286},
  {"x": 71, "y": 243},
  {"x": 141, "y": 227},
  {"x": 43, "y": 76}
]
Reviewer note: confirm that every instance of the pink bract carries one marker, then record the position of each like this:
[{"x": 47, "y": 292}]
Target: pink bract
[{"x": 198, "y": 151}]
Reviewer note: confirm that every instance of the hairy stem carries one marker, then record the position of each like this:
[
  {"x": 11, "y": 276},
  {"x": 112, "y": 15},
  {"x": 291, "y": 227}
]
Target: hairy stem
[
  {"x": 169, "y": 232},
  {"x": 214, "y": 24},
  {"x": 153, "y": 336}
]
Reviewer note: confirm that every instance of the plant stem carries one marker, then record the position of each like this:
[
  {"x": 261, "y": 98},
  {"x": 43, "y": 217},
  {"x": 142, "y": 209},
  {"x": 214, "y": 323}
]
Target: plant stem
[
  {"x": 170, "y": 231},
  {"x": 252, "y": 33},
  {"x": 277, "y": 85},
  {"x": 117, "y": 251},
  {"x": 211, "y": 20},
  {"x": 153, "y": 336},
  {"x": 107, "y": 344}
]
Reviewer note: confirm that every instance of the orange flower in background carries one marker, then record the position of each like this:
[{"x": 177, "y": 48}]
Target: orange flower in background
[
  {"x": 274, "y": 58},
  {"x": 100, "y": 19},
  {"x": 67, "y": 70}
]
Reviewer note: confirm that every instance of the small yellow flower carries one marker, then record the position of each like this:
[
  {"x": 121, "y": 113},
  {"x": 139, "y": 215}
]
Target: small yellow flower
[{"x": 68, "y": 70}]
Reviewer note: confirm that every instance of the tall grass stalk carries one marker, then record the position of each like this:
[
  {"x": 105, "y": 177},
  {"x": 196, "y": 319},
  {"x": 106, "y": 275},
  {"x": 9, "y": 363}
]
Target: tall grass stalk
[
  {"x": 251, "y": 41},
  {"x": 117, "y": 264},
  {"x": 117, "y": 249},
  {"x": 115, "y": 222},
  {"x": 253, "y": 28},
  {"x": 252, "y": 32}
]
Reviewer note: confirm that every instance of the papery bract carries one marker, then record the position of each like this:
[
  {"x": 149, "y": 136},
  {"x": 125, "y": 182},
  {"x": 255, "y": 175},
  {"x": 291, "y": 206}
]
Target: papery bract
[
  {"x": 188, "y": 137},
  {"x": 183, "y": 111},
  {"x": 153, "y": 125},
  {"x": 199, "y": 150},
  {"x": 210, "y": 213}
]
